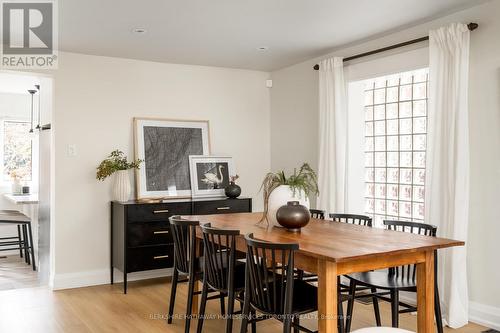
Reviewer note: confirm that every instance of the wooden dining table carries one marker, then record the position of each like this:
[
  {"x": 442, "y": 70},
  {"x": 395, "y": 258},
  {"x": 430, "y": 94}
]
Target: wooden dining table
[{"x": 330, "y": 249}]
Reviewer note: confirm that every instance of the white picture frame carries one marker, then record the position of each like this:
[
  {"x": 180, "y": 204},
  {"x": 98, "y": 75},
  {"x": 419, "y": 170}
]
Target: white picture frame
[
  {"x": 210, "y": 175},
  {"x": 165, "y": 145}
]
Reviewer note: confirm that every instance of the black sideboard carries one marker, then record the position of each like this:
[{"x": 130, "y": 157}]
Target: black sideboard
[{"x": 140, "y": 232}]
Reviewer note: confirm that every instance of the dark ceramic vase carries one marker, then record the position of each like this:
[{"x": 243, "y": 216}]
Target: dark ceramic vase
[
  {"x": 293, "y": 216},
  {"x": 232, "y": 190}
]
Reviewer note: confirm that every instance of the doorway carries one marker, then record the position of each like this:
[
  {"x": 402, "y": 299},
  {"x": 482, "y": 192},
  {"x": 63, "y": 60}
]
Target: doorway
[{"x": 25, "y": 182}]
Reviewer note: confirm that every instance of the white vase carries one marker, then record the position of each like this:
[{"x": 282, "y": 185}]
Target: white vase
[
  {"x": 279, "y": 197},
  {"x": 121, "y": 186},
  {"x": 17, "y": 188}
]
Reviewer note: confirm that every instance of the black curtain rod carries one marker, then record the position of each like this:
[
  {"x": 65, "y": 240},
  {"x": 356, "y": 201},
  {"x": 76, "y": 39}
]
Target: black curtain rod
[{"x": 471, "y": 26}]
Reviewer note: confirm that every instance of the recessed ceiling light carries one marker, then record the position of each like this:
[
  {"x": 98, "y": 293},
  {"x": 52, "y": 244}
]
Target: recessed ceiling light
[
  {"x": 139, "y": 30},
  {"x": 262, "y": 48}
]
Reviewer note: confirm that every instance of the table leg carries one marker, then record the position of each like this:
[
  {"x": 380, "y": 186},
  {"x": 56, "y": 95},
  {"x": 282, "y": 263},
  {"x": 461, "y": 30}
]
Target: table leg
[
  {"x": 196, "y": 298},
  {"x": 425, "y": 294},
  {"x": 327, "y": 296}
]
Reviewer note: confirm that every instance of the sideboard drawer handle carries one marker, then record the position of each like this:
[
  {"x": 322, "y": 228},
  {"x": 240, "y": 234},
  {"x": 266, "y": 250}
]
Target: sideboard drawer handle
[
  {"x": 223, "y": 208},
  {"x": 160, "y": 211},
  {"x": 160, "y": 257},
  {"x": 160, "y": 232}
]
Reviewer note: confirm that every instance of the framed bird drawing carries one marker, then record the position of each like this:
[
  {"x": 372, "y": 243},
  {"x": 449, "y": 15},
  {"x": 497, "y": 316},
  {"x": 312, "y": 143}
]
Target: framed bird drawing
[{"x": 210, "y": 175}]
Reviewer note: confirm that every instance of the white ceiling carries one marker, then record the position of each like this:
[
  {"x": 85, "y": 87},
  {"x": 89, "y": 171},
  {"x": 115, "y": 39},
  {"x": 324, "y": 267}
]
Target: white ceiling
[{"x": 228, "y": 33}]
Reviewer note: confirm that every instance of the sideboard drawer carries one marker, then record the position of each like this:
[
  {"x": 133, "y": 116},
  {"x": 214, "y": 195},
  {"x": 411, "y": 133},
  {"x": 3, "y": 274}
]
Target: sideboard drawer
[
  {"x": 148, "y": 233},
  {"x": 157, "y": 212},
  {"x": 153, "y": 257},
  {"x": 221, "y": 206}
]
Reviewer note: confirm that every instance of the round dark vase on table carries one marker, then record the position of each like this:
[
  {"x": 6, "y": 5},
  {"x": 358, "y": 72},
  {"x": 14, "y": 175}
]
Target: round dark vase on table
[
  {"x": 293, "y": 216},
  {"x": 232, "y": 190}
]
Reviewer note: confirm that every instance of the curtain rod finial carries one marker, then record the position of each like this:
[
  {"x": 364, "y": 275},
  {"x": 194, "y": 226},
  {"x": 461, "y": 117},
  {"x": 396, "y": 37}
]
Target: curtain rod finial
[
  {"x": 316, "y": 67},
  {"x": 472, "y": 26}
]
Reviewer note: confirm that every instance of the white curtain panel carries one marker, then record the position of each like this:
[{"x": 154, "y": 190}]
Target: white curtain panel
[
  {"x": 332, "y": 136},
  {"x": 447, "y": 179}
]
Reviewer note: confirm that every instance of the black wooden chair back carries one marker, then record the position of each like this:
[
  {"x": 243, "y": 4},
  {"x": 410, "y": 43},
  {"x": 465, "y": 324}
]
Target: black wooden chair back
[
  {"x": 409, "y": 272},
  {"x": 220, "y": 256},
  {"x": 352, "y": 219},
  {"x": 184, "y": 235},
  {"x": 317, "y": 214},
  {"x": 269, "y": 275}
]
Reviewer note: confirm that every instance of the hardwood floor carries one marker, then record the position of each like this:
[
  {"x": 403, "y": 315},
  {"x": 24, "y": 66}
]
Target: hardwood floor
[
  {"x": 15, "y": 273},
  {"x": 106, "y": 309}
]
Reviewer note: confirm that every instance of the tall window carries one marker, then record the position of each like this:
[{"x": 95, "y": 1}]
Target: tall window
[
  {"x": 395, "y": 131},
  {"x": 17, "y": 150}
]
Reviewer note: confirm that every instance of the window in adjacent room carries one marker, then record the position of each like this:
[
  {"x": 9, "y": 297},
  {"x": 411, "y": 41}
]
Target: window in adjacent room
[
  {"x": 395, "y": 138},
  {"x": 16, "y": 150}
]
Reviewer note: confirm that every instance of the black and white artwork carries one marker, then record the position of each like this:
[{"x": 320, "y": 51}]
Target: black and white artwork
[
  {"x": 165, "y": 147},
  {"x": 210, "y": 175}
]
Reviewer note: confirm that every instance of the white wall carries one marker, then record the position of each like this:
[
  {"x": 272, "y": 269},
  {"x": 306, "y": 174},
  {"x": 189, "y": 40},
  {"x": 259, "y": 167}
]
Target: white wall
[
  {"x": 96, "y": 99},
  {"x": 294, "y": 98}
]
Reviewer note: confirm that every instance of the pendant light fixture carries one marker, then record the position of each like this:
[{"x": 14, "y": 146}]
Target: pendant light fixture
[
  {"x": 32, "y": 92},
  {"x": 38, "y": 127}
]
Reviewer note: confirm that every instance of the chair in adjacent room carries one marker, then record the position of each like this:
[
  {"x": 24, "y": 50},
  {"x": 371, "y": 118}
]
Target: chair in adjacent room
[
  {"x": 270, "y": 286},
  {"x": 394, "y": 280},
  {"x": 24, "y": 239},
  {"x": 187, "y": 261}
]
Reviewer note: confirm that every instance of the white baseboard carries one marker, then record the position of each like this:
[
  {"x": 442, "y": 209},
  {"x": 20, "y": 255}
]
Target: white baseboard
[
  {"x": 485, "y": 315},
  {"x": 97, "y": 277}
]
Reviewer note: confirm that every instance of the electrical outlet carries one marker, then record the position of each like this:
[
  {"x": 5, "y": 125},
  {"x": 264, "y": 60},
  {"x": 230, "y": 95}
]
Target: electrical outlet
[{"x": 72, "y": 150}]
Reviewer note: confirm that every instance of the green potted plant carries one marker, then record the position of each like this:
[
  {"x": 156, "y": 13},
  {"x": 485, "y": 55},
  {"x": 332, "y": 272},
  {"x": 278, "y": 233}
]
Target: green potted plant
[
  {"x": 278, "y": 189},
  {"x": 116, "y": 163}
]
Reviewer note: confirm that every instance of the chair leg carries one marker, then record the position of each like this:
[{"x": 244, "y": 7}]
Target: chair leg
[
  {"x": 31, "y": 246},
  {"x": 376, "y": 308},
  {"x": 189, "y": 310},
  {"x": 395, "y": 308},
  {"x": 296, "y": 321},
  {"x": 254, "y": 323},
  {"x": 350, "y": 305},
  {"x": 203, "y": 304},
  {"x": 245, "y": 312},
  {"x": 340, "y": 313},
  {"x": 287, "y": 324},
  {"x": 25, "y": 243},
  {"x": 222, "y": 305},
  {"x": 340, "y": 308},
  {"x": 20, "y": 240},
  {"x": 173, "y": 291},
  {"x": 437, "y": 310},
  {"x": 230, "y": 311}
]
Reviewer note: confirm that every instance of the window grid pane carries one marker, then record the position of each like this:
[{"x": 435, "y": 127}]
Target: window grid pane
[{"x": 395, "y": 133}]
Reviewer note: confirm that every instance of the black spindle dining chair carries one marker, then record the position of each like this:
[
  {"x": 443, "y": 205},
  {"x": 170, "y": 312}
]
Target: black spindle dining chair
[
  {"x": 355, "y": 219},
  {"x": 270, "y": 287},
  {"x": 317, "y": 214},
  {"x": 352, "y": 219},
  {"x": 307, "y": 276},
  {"x": 394, "y": 280},
  {"x": 221, "y": 270},
  {"x": 186, "y": 262}
]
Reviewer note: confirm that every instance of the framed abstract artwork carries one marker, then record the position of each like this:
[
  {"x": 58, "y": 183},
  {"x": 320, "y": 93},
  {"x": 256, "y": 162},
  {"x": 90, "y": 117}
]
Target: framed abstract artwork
[
  {"x": 165, "y": 146},
  {"x": 210, "y": 175}
]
